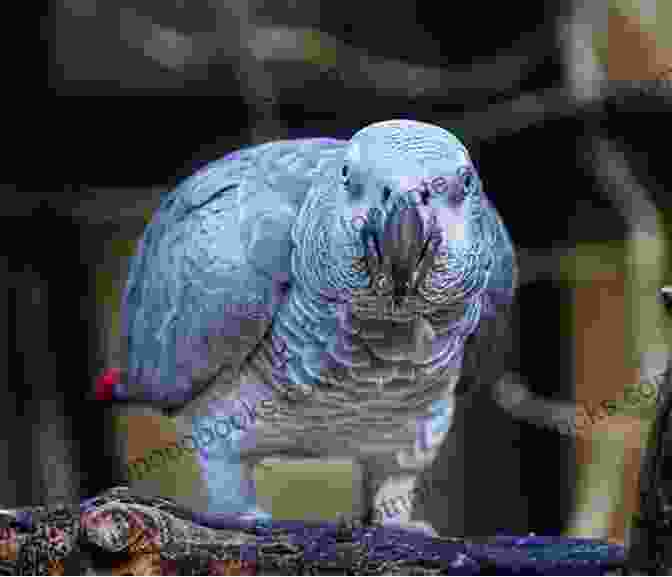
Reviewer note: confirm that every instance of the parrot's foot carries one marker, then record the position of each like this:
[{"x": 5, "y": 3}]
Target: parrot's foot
[
  {"x": 236, "y": 507},
  {"x": 397, "y": 491},
  {"x": 346, "y": 524},
  {"x": 232, "y": 489},
  {"x": 398, "y": 502},
  {"x": 230, "y": 480}
]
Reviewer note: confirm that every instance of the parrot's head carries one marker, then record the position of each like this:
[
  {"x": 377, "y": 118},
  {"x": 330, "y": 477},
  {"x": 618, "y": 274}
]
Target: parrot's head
[{"x": 413, "y": 209}]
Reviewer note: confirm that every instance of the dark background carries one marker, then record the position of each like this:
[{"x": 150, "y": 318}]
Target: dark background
[{"x": 111, "y": 119}]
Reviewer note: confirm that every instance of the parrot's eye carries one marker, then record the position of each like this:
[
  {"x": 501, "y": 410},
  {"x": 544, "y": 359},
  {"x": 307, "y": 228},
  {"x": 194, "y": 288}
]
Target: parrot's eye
[
  {"x": 468, "y": 184},
  {"x": 424, "y": 195},
  {"x": 468, "y": 178},
  {"x": 387, "y": 191},
  {"x": 345, "y": 173}
]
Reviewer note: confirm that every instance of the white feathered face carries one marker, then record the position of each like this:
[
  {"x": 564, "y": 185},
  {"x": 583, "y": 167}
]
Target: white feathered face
[{"x": 413, "y": 204}]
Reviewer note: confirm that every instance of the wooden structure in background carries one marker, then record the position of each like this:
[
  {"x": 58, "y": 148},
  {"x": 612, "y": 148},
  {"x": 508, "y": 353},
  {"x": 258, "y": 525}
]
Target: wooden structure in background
[
  {"x": 602, "y": 370},
  {"x": 634, "y": 53}
]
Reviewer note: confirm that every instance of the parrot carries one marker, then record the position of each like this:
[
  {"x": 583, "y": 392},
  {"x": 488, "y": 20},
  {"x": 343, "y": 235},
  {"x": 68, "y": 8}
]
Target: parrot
[{"x": 335, "y": 296}]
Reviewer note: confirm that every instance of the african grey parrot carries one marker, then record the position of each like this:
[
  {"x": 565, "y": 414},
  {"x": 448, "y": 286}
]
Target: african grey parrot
[{"x": 345, "y": 286}]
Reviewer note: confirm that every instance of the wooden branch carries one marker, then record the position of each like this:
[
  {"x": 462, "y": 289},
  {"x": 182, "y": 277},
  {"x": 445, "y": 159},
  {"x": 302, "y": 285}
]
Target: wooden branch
[{"x": 120, "y": 533}]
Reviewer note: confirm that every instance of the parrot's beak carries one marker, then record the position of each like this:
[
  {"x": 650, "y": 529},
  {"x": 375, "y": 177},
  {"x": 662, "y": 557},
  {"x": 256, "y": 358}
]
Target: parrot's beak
[{"x": 405, "y": 250}]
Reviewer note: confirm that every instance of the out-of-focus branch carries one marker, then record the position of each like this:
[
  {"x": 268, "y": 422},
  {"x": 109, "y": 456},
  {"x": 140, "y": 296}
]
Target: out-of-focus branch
[
  {"x": 358, "y": 69},
  {"x": 584, "y": 75},
  {"x": 166, "y": 46},
  {"x": 512, "y": 116},
  {"x": 234, "y": 26},
  {"x": 237, "y": 36},
  {"x": 620, "y": 185},
  {"x": 229, "y": 42},
  {"x": 646, "y": 244}
]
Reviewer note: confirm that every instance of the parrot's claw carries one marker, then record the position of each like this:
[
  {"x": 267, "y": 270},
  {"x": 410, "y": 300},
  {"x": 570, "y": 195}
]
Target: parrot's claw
[{"x": 345, "y": 525}]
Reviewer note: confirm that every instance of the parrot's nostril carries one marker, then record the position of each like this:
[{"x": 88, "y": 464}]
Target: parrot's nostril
[{"x": 401, "y": 288}]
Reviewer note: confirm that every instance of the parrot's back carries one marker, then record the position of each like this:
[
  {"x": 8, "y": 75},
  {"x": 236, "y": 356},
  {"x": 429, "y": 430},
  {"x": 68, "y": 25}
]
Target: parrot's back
[{"x": 212, "y": 267}]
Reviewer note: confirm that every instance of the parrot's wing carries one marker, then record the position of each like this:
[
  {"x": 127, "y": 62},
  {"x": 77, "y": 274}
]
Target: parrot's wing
[
  {"x": 487, "y": 349},
  {"x": 212, "y": 268}
]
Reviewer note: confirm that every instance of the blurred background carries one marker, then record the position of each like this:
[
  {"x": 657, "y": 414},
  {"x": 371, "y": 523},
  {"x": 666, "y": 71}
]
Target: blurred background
[{"x": 562, "y": 106}]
